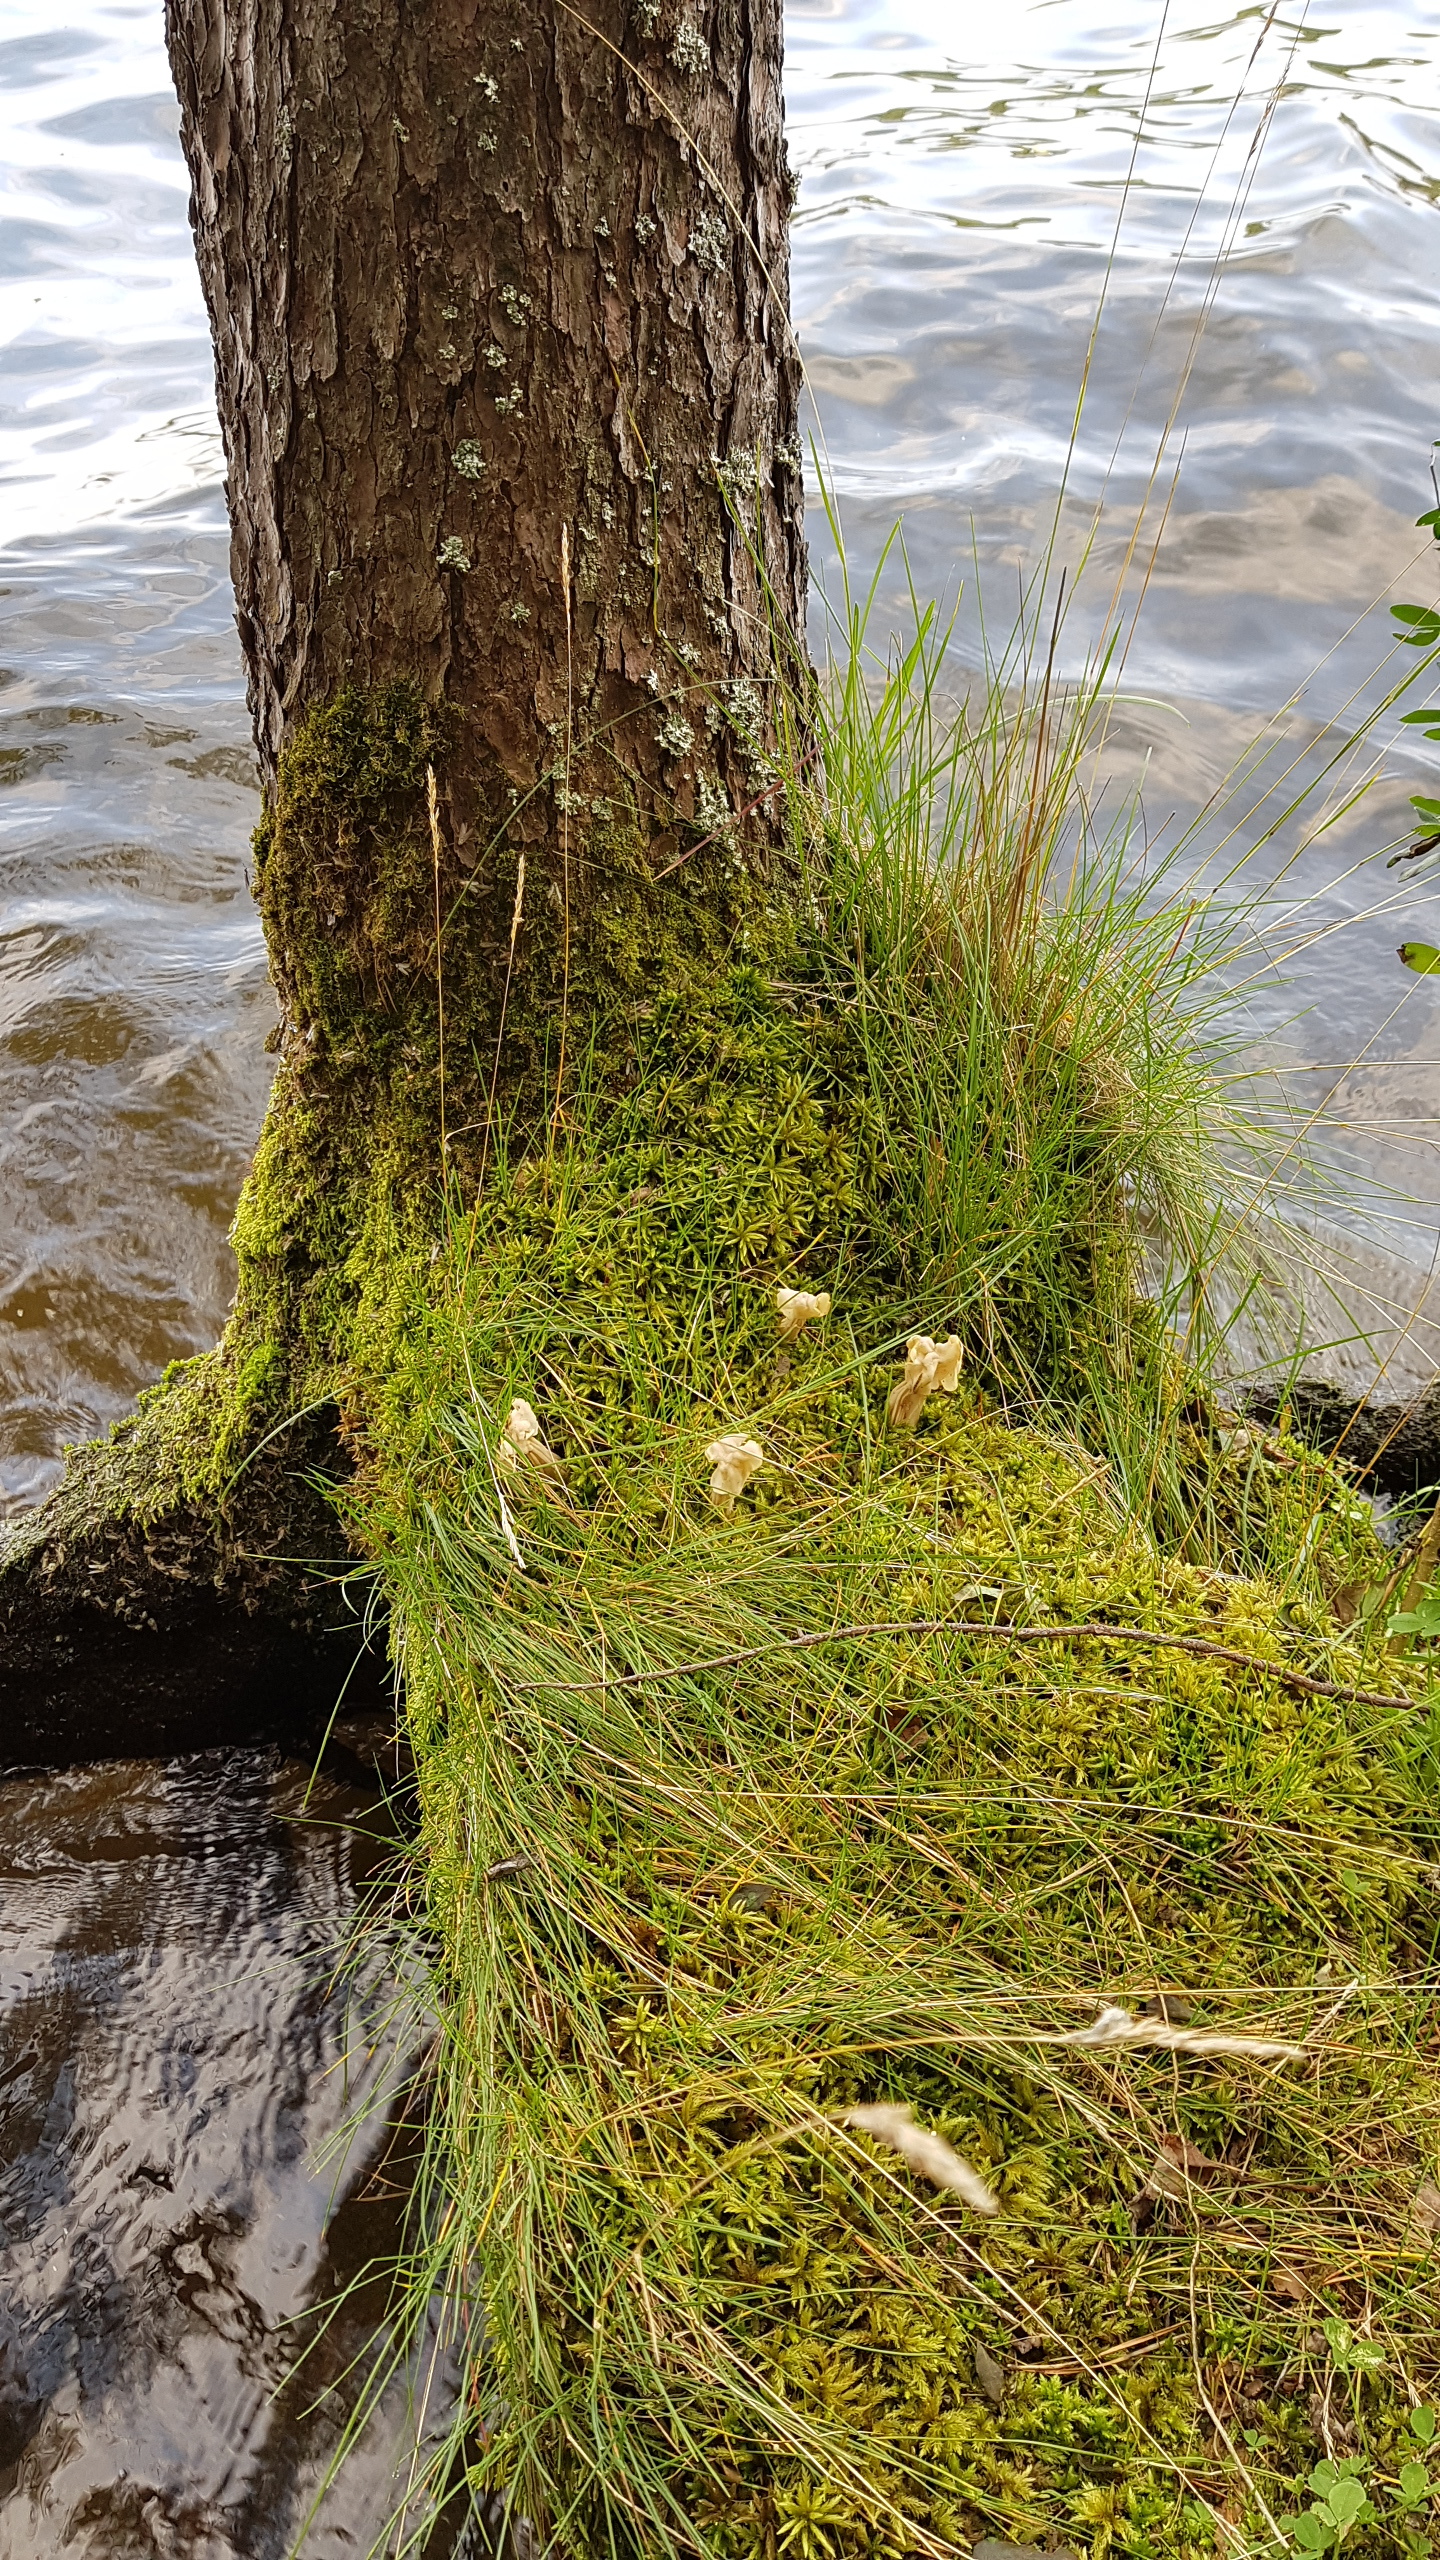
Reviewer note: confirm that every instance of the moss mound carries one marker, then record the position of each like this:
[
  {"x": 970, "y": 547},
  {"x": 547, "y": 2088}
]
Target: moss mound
[
  {"x": 871, "y": 1791},
  {"x": 732, "y": 1825}
]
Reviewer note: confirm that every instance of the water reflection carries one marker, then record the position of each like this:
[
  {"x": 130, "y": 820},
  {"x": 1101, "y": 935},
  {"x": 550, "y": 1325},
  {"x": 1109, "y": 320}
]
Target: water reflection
[
  {"x": 964, "y": 171},
  {"x": 177, "y": 2184}
]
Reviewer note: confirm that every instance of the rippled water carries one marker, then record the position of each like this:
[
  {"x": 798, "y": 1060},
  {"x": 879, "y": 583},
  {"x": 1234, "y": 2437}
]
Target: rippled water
[
  {"x": 182, "y": 2173},
  {"x": 170, "y": 2025}
]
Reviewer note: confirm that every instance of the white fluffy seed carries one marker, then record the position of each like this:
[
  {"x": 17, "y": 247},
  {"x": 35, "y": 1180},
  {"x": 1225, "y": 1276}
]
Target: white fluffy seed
[{"x": 895, "y": 2126}]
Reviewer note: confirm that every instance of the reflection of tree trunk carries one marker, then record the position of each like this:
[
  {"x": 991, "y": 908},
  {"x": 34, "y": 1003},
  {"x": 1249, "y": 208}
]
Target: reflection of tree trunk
[{"x": 509, "y": 402}]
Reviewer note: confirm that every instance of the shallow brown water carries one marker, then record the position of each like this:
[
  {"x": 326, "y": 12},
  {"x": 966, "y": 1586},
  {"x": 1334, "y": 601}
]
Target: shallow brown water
[{"x": 193, "y": 2137}]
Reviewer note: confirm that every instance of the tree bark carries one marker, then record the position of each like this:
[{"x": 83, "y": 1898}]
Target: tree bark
[{"x": 510, "y": 400}]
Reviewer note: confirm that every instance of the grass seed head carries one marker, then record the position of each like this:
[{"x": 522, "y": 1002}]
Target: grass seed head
[
  {"x": 895, "y": 2126},
  {"x": 1115, "y": 2026}
]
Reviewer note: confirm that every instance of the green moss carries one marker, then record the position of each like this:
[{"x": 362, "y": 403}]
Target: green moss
[
  {"x": 685, "y": 1924},
  {"x": 689, "y": 1915}
]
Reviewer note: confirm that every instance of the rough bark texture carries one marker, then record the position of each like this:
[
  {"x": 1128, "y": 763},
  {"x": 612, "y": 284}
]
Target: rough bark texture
[{"x": 490, "y": 286}]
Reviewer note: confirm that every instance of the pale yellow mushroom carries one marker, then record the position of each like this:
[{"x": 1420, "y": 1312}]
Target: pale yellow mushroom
[
  {"x": 735, "y": 1460},
  {"x": 522, "y": 1437},
  {"x": 928, "y": 1365},
  {"x": 797, "y": 1307}
]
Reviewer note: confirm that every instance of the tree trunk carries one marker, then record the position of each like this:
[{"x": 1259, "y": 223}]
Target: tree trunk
[{"x": 509, "y": 399}]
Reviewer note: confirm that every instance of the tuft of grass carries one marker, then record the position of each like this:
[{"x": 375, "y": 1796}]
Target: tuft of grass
[{"x": 734, "y": 1828}]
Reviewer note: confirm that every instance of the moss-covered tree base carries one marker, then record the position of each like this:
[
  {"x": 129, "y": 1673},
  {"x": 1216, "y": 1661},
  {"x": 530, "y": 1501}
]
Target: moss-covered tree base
[
  {"x": 732, "y": 1824},
  {"x": 149, "y": 1607},
  {"x": 735, "y": 1820}
]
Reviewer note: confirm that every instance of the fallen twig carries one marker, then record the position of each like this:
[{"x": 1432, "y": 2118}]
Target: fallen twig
[{"x": 1091, "y": 1630}]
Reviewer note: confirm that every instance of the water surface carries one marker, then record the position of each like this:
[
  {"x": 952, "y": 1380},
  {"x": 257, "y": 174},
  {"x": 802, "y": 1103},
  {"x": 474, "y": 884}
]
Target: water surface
[{"x": 195, "y": 2160}]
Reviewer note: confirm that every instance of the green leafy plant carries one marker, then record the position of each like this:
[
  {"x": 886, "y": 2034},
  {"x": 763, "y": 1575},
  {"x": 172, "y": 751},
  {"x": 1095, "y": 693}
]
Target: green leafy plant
[
  {"x": 1339, "y": 2504},
  {"x": 1346, "y": 2496},
  {"x": 1423, "y": 1620},
  {"x": 1349, "y": 2354}
]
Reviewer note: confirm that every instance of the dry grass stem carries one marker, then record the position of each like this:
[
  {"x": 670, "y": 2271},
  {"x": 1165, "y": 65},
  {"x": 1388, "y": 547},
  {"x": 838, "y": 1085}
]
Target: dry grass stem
[{"x": 895, "y": 2126}]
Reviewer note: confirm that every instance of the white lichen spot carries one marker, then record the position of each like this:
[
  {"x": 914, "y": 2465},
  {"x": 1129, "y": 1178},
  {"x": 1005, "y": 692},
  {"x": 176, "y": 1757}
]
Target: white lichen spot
[
  {"x": 401, "y": 131},
  {"x": 602, "y": 229},
  {"x": 452, "y": 554},
  {"x": 468, "y": 459},
  {"x": 675, "y": 735},
  {"x": 687, "y": 653},
  {"x": 647, "y": 16},
  {"x": 799, "y": 1307},
  {"x": 522, "y": 1439},
  {"x": 652, "y": 681},
  {"x": 519, "y": 612},
  {"x": 487, "y": 141},
  {"x": 710, "y": 241},
  {"x": 488, "y": 88},
  {"x": 714, "y": 814},
  {"x": 689, "y": 50},
  {"x": 496, "y": 358},
  {"x": 607, "y": 513},
  {"x": 646, "y": 227},
  {"x": 514, "y": 407},
  {"x": 747, "y": 711},
  {"x": 446, "y": 353},
  {"x": 734, "y": 1460},
  {"x": 928, "y": 1366},
  {"x": 515, "y": 305},
  {"x": 739, "y": 473}
]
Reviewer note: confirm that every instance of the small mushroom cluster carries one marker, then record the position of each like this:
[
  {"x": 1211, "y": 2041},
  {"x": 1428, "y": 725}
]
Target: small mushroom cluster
[{"x": 734, "y": 1458}]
